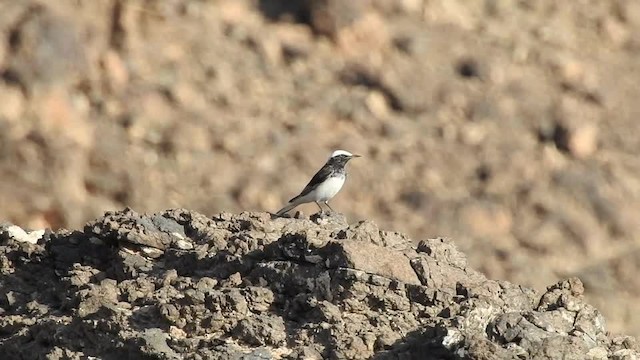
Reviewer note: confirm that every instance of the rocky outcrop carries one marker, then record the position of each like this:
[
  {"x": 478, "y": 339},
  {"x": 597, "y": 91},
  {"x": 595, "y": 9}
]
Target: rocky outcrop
[
  {"x": 509, "y": 121},
  {"x": 180, "y": 285}
]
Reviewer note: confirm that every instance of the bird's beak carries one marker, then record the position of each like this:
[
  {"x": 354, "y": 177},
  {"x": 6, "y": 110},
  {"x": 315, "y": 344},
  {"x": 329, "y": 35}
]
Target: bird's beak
[{"x": 355, "y": 156}]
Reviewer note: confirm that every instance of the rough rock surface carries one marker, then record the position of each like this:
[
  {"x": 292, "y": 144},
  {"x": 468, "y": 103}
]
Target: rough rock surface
[
  {"x": 509, "y": 125},
  {"x": 180, "y": 285}
]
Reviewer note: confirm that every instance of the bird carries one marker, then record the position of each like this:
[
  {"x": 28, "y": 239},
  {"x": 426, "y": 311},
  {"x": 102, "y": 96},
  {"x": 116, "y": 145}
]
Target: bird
[{"x": 325, "y": 184}]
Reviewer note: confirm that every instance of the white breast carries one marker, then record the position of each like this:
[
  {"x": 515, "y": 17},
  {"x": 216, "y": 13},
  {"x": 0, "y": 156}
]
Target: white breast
[{"x": 329, "y": 188}]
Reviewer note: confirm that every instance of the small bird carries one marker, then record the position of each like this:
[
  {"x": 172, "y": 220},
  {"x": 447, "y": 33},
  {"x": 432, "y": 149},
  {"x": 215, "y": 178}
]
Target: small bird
[{"x": 325, "y": 184}]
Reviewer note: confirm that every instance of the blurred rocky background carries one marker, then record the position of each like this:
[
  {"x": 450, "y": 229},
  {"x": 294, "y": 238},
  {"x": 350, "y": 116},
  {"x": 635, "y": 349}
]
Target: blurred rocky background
[{"x": 510, "y": 126}]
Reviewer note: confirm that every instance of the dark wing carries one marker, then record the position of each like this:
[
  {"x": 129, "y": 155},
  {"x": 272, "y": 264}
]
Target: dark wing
[{"x": 319, "y": 177}]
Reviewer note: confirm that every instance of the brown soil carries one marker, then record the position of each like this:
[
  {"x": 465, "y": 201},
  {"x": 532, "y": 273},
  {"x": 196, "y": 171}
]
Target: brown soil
[{"x": 509, "y": 126}]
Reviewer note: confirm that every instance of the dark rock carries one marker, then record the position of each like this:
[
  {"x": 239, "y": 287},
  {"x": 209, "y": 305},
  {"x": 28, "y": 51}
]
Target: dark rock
[
  {"x": 246, "y": 289},
  {"x": 261, "y": 330}
]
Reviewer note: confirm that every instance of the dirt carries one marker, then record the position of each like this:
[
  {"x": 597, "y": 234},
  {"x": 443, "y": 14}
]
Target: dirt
[
  {"x": 508, "y": 126},
  {"x": 180, "y": 285}
]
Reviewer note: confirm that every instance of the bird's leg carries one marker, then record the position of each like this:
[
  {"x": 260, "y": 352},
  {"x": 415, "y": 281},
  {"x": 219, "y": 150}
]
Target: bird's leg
[
  {"x": 321, "y": 209},
  {"x": 327, "y": 203}
]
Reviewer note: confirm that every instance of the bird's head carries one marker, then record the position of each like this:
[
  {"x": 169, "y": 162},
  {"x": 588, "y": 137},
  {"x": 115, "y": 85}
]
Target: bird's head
[{"x": 342, "y": 156}]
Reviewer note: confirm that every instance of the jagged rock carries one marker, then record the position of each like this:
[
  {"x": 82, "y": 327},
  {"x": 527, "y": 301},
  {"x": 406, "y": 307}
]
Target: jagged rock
[{"x": 249, "y": 286}]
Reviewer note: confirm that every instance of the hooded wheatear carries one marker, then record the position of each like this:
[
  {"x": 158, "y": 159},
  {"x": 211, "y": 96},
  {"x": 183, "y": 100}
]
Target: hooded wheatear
[{"x": 325, "y": 184}]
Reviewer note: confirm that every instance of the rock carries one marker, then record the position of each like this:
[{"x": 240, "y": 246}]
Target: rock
[
  {"x": 261, "y": 330},
  {"x": 583, "y": 141},
  {"x": 329, "y": 17},
  {"x": 106, "y": 104},
  {"x": 359, "y": 255},
  {"x": 151, "y": 234},
  {"x": 16, "y": 233},
  {"x": 616, "y": 31},
  {"x": 13, "y": 103},
  {"x": 47, "y": 49},
  {"x": 154, "y": 342},
  {"x": 369, "y": 294},
  {"x": 377, "y": 104},
  {"x": 115, "y": 70}
]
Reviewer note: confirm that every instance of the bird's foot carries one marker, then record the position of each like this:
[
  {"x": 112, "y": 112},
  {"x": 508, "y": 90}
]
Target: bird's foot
[{"x": 319, "y": 216}]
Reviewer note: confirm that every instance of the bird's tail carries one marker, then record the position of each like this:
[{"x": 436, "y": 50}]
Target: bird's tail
[{"x": 286, "y": 209}]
